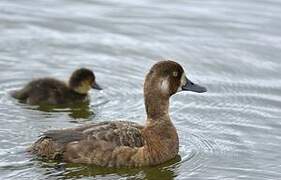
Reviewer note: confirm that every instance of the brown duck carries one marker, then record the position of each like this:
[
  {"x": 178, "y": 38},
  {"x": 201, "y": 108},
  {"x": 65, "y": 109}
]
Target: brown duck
[
  {"x": 55, "y": 92},
  {"x": 121, "y": 143}
]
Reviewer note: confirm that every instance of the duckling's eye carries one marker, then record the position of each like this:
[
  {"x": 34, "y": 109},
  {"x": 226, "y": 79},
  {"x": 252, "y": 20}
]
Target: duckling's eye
[{"x": 175, "y": 73}]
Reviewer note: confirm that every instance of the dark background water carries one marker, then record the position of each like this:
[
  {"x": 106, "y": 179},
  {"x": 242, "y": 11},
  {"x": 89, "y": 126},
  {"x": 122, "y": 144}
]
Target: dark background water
[{"x": 232, "y": 47}]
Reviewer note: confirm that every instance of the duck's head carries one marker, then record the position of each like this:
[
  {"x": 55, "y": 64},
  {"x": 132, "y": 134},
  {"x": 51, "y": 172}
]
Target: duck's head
[
  {"x": 82, "y": 80},
  {"x": 166, "y": 78}
]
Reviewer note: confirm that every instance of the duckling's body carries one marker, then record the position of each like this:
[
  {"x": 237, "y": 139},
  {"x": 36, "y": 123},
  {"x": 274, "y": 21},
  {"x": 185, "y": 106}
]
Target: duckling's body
[
  {"x": 55, "y": 92},
  {"x": 48, "y": 91},
  {"x": 121, "y": 143}
]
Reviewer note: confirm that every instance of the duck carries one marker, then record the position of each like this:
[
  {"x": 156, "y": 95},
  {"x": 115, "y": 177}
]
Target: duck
[
  {"x": 125, "y": 143},
  {"x": 50, "y": 91}
]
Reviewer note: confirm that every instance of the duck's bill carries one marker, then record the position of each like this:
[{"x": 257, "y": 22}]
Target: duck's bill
[
  {"x": 96, "y": 86},
  {"x": 190, "y": 86}
]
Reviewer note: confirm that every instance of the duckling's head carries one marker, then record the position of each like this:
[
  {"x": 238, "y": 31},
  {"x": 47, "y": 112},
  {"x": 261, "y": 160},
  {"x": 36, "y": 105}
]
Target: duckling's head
[
  {"x": 166, "y": 78},
  {"x": 82, "y": 80}
]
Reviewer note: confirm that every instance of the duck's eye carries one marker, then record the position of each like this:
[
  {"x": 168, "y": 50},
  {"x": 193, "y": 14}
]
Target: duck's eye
[{"x": 175, "y": 73}]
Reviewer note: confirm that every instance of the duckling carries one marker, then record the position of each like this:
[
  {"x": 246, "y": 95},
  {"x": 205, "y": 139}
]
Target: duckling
[
  {"x": 124, "y": 143},
  {"x": 55, "y": 92}
]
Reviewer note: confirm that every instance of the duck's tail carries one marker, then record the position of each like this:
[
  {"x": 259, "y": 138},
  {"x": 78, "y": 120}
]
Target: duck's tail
[
  {"x": 46, "y": 148},
  {"x": 19, "y": 94},
  {"x": 52, "y": 144}
]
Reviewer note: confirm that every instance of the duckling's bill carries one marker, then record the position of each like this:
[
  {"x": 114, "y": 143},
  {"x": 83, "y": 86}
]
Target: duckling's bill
[{"x": 96, "y": 86}]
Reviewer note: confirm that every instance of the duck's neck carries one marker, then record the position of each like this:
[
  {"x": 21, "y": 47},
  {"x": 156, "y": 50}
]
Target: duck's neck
[
  {"x": 160, "y": 135},
  {"x": 82, "y": 89},
  {"x": 157, "y": 107}
]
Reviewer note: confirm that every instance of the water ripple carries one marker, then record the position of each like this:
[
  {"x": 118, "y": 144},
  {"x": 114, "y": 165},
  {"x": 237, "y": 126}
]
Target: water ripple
[{"x": 231, "y": 47}]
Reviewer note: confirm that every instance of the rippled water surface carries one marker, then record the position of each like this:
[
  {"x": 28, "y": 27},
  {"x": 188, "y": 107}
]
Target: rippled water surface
[{"x": 232, "y": 47}]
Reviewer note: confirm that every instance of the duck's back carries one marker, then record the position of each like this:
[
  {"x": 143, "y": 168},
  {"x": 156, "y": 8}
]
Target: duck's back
[
  {"x": 99, "y": 144},
  {"x": 45, "y": 90}
]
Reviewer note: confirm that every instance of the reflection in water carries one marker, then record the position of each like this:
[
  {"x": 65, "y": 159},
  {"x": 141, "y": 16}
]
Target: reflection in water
[
  {"x": 75, "y": 111},
  {"x": 167, "y": 170}
]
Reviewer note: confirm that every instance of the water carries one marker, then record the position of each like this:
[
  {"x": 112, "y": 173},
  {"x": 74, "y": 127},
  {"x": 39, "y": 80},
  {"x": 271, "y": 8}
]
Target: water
[{"x": 231, "y": 47}]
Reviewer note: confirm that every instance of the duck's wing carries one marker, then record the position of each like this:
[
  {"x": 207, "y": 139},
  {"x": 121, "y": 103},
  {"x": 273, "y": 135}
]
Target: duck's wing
[
  {"x": 119, "y": 133},
  {"x": 77, "y": 143}
]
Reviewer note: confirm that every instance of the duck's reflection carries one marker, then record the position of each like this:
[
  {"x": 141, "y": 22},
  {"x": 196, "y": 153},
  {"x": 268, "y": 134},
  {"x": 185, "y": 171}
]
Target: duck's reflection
[
  {"x": 164, "y": 171},
  {"x": 75, "y": 111}
]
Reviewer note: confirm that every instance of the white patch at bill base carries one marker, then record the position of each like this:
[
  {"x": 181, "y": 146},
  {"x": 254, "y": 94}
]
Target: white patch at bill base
[
  {"x": 164, "y": 86},
  {"x": 183, "y": 82}
]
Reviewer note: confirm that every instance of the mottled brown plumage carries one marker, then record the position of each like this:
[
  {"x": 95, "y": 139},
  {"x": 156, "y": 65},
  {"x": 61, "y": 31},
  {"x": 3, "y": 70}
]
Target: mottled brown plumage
[
  {"x": 55, "y": 92},
  {"x": 121, "y": 143}
]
